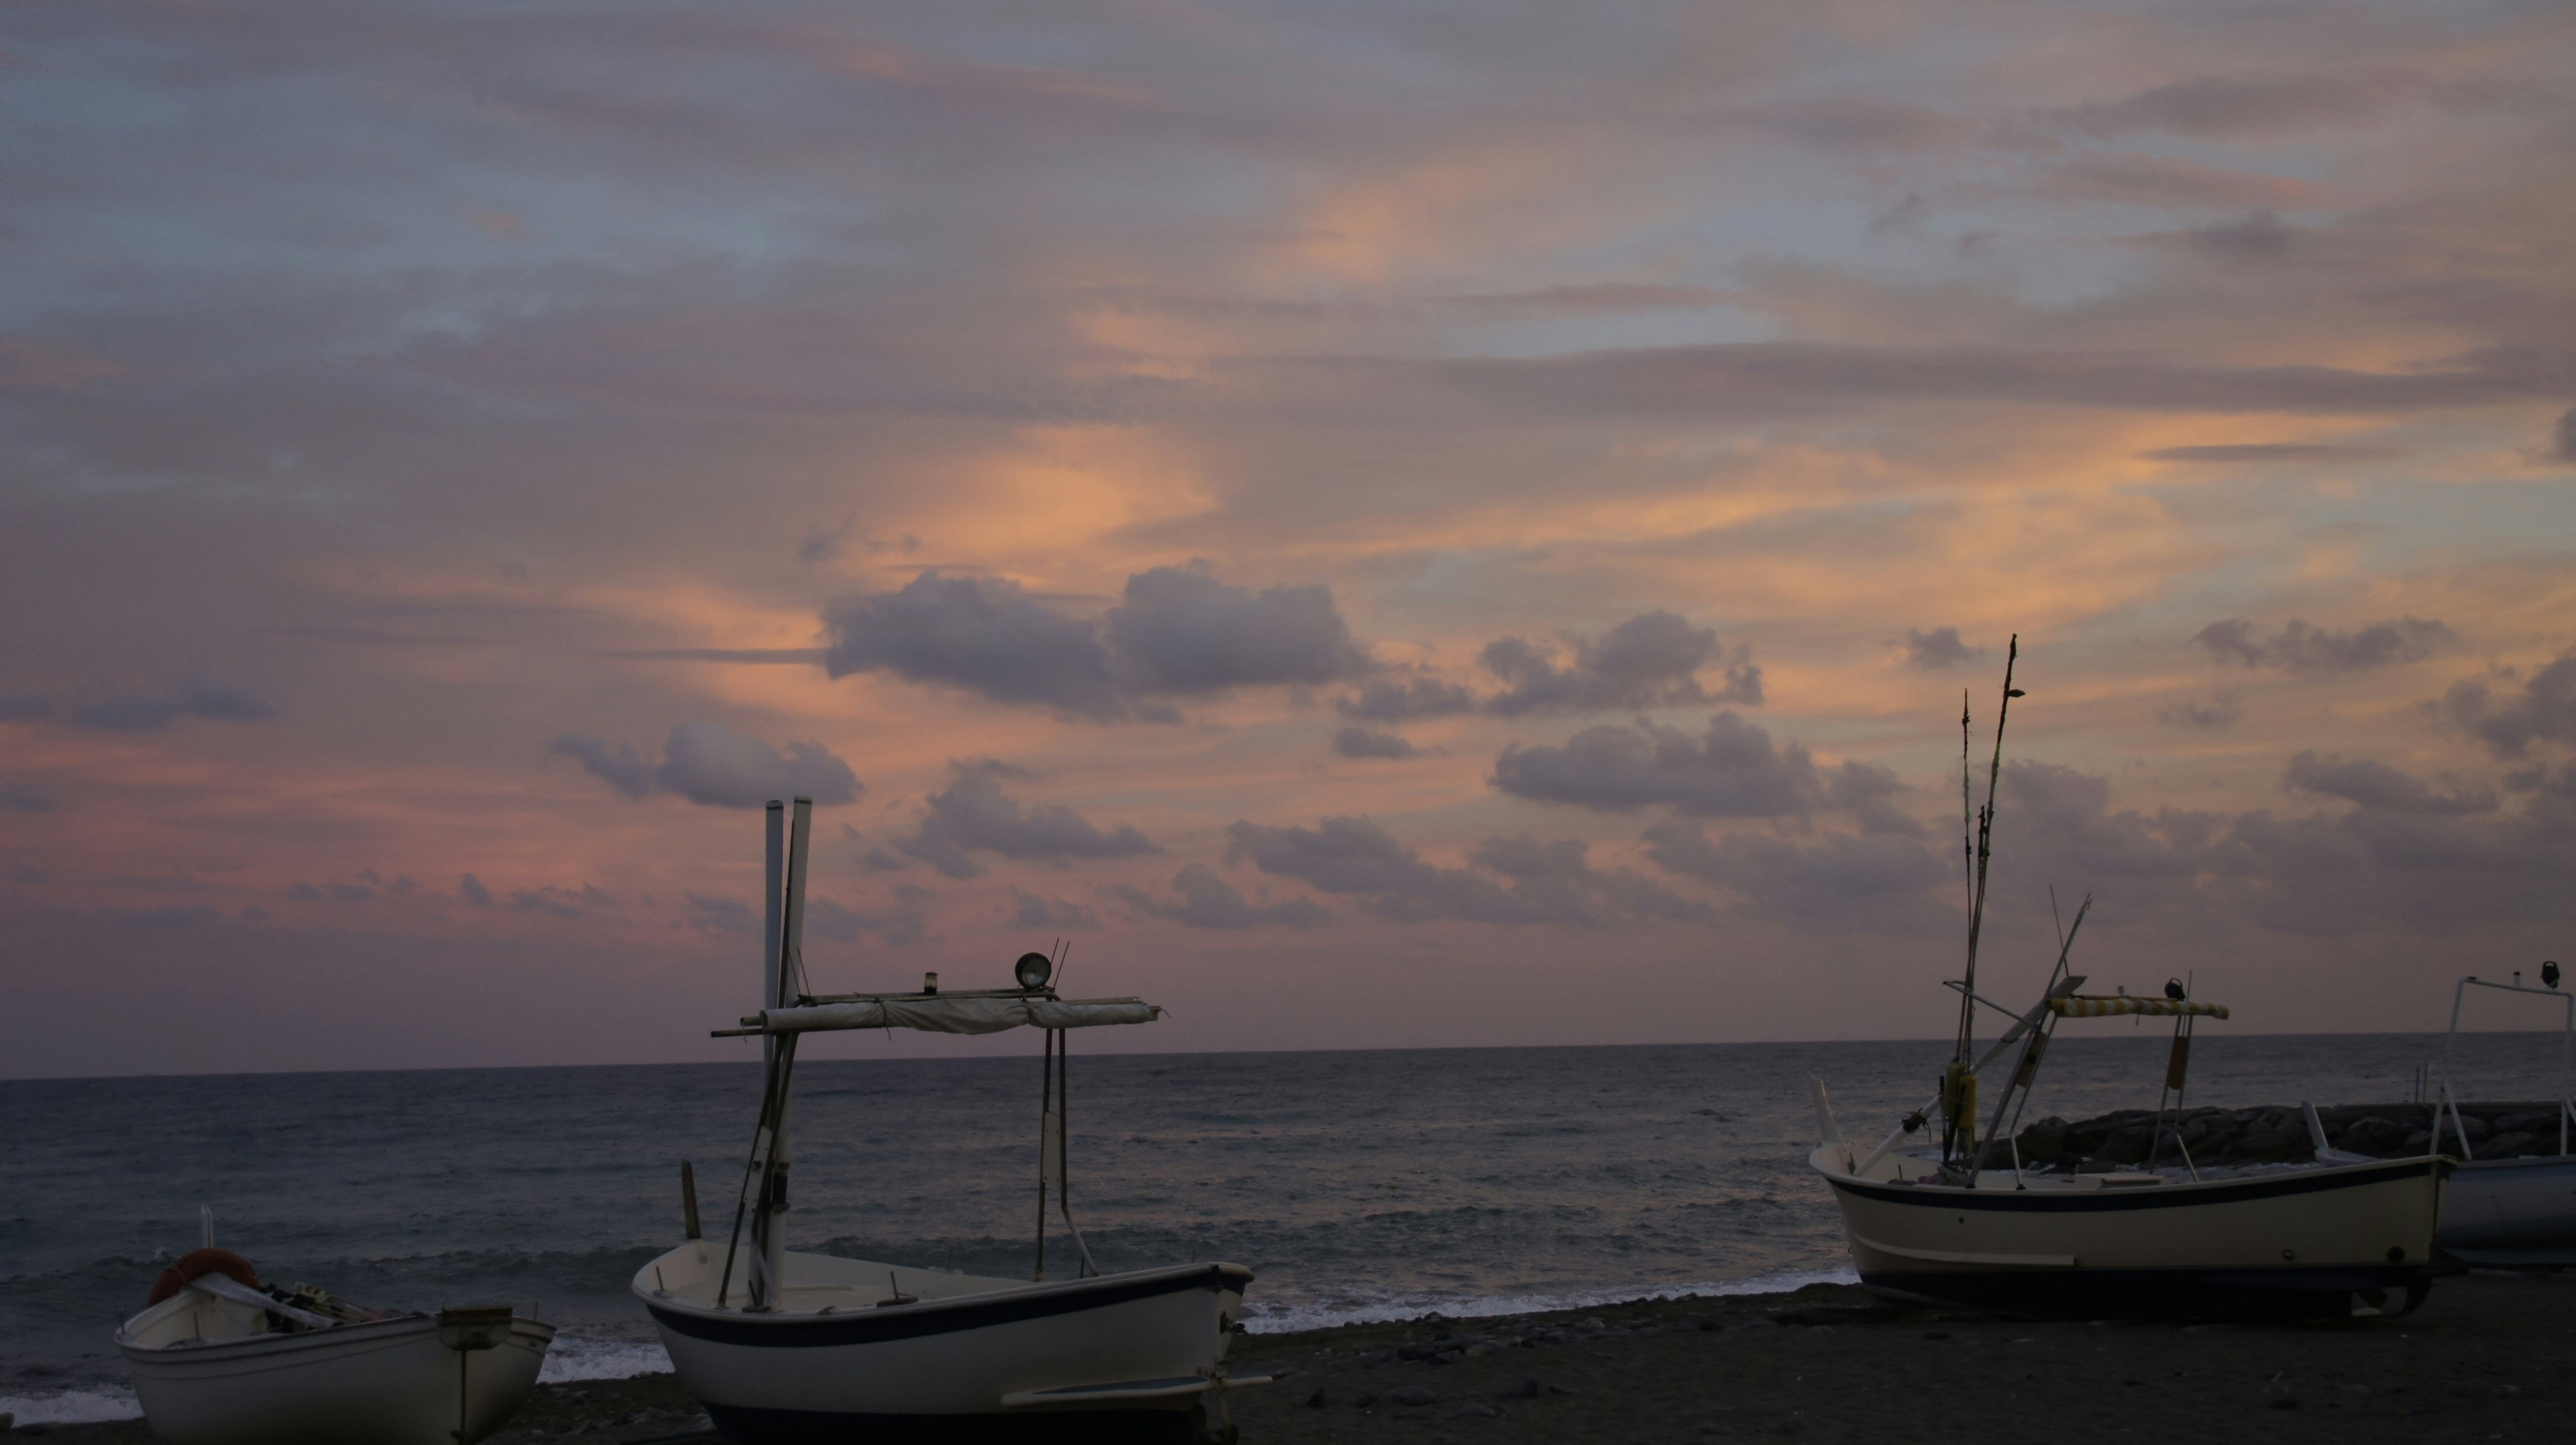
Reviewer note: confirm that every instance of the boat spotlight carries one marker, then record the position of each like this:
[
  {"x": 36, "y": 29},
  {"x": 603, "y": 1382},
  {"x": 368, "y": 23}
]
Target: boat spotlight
[{"x": 1032, "y": 970}]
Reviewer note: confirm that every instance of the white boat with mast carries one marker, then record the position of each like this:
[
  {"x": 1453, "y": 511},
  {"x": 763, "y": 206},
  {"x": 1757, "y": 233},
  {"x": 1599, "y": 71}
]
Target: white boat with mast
[
  {"x": 218, "y": 1358},
  {"x": 2508, "y": 1210},
  {"x": 782, "y": 1345},
  {"x": 1956, "y": 1228}
]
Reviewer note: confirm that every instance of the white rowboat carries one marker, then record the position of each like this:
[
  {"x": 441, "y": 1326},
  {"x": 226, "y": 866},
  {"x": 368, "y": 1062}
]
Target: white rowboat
[{"x": 212, "y": 1368}]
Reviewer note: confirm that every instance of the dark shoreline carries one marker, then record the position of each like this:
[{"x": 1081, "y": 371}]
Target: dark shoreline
[{"x": 2483, "y": 1360}]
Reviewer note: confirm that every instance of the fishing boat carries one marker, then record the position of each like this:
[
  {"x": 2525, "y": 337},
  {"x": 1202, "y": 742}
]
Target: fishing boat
[
  {"x": 2515, "y": 1208},
  {"x": 1968, "y": 1224},
  {"x": 782, "y": 1345},
  {"x": 218, "y": 1358}
]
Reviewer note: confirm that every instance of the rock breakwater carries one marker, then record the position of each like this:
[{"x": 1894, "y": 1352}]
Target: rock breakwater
[{"x": 2278, "y": 1134}]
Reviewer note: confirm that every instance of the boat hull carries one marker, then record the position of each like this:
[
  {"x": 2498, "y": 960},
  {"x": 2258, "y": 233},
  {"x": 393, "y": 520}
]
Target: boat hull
[
  {"x": 1123, "y": 1356},
  {"x": 386, "y": 1383},
  {"x": 2511, "y": 1212},
  {"x": 2296, "y": 1243}
]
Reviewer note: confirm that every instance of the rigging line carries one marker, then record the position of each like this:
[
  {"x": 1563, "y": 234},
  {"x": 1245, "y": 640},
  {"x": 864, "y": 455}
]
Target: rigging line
[
  {"x": 2024, "y": 1076},
  {"x": 1967, "y": 811},
  {"x": 772, "y": 1092}
]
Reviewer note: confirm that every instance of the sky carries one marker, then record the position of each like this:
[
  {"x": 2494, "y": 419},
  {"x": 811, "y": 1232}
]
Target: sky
[{"x": 1385, "y": 525}]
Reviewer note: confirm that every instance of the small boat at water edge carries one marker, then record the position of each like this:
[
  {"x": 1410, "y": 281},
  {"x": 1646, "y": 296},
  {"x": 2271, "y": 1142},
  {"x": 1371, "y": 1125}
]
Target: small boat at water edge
[
  {"x": 217, "y": 1358},
  {"x": 2516, "y": 1207},
  {"x": 785, "y": 1346},
  {"x": 1962, "y": 1227}
]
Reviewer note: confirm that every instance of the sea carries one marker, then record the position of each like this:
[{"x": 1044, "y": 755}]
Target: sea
[{"x": 1358, "y": 1185}]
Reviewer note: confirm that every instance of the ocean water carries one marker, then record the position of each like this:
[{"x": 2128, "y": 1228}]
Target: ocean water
[{"x": 1360, "y": 1185}]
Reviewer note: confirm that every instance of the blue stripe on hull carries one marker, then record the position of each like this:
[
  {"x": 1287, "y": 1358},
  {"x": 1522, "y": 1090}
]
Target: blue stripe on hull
[
  {"x": 2323, "y": 1292},
  {"x": 973, "y": 1313},
  {"x": 1040, "y": 1427}
]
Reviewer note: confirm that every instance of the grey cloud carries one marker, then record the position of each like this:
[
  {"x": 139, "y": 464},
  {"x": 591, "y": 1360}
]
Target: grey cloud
[
  {"x": 27, "y": 798},
  {"x": 1857, "y": 126},
  {"x": 1732, "y": 772},
  {"x": 1175, "y": 633},
  {"x": 333, "y": 892},
  {"x": 2300, "y": 648},
  {"x": 199, "y": 696},
  {"x": 728, "y": 917},
  {"x": 2257, "y": 234},
  {"x": 1651, "y": 660},
  {"x": 474, "y": 891},
  {"x": 1548, "y": 882},
  {"x": 1593, "y": 298},
  {"x": 2377, "y": 785},
  {"x": 1938, "y": 648},
  {"x": 1398, "y": 698},
  {"x": 905, "y": 923},
  {"x": 2391, "y": 861},
  {"x": 195, "y": 915},
  {"x": 973, "y": 814},
  {"x": 716, "y": 766},
  {"x": 2562, "y": 440},
  {"x": 2224, "y": 710},
  {"x": 616, "y": 764},
  {"x": 2240, "y": 107},
  {"x": 1359, "y": 742},
  {"x": 1029, "y": 910},
  {"x": 2545, "y": 711},
  {"x": 556, "y": 902},
  {"x": 1878, "y": 884},
  {"x": 1764, "y": 379},
  {"x": 713, "y": 765},
  {"x": 1208, "y": 901},
  {"x": 1868, "y": 792},
  {"x": 2269, "y": 452},
  {"x": 1185, "y": 632},
  {"x": 985, "y": 635},
  {"x": 2168, "y": 183},
  {"x": 25, "y": 707}
]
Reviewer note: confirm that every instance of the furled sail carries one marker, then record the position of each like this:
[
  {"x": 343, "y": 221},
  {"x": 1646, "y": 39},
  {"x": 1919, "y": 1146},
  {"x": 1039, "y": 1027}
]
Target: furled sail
[
  {"x": 954, "y": 1015},
  {"x": 2096, "y": 1008}
]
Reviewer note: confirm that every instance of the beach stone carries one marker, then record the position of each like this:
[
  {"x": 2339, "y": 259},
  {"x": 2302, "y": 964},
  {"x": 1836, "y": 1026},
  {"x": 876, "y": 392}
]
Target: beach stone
[
  {"x": 1319, "y": 1399},
  {"x": 1412, "y": 1396},
  {"x": 2282, "y": 1402},
  {"x": 1363, "y": 1400},
  {"x": 1525, "y": 1390},
  {"x": 2514, "y": 1145},
  {"x": 1473, "y": 1411}
]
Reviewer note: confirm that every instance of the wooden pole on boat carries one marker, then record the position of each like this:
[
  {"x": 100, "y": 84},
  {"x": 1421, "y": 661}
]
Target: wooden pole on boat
[
  {"x": 1046, "y": 1117},
  {"x": 786, "y": 982},
  {"x": 1958, "y": 1092}
]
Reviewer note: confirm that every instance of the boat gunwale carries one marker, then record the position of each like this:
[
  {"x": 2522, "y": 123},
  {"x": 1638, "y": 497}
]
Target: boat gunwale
[
  {"x": 2175, "y": 1195},
  {"x": 953, "y": 1314},
  {"x": 308, "y": 1346}
]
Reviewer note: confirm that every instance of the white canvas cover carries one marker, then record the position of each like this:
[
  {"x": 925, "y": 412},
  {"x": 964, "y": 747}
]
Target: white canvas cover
[{"x": 958, "y": 1015}]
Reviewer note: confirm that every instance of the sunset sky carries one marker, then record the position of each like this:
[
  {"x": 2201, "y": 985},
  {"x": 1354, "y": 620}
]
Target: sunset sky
[{"x": 1385, "y": 524}]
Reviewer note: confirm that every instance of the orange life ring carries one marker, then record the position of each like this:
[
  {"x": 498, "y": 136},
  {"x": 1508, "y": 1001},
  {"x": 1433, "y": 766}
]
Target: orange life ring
[{"x": 201, "y": 1262}]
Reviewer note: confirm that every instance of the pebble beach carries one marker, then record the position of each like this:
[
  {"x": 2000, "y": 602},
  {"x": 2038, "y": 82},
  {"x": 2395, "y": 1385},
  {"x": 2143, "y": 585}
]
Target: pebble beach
[{"x": 2485, "y": 1359}]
